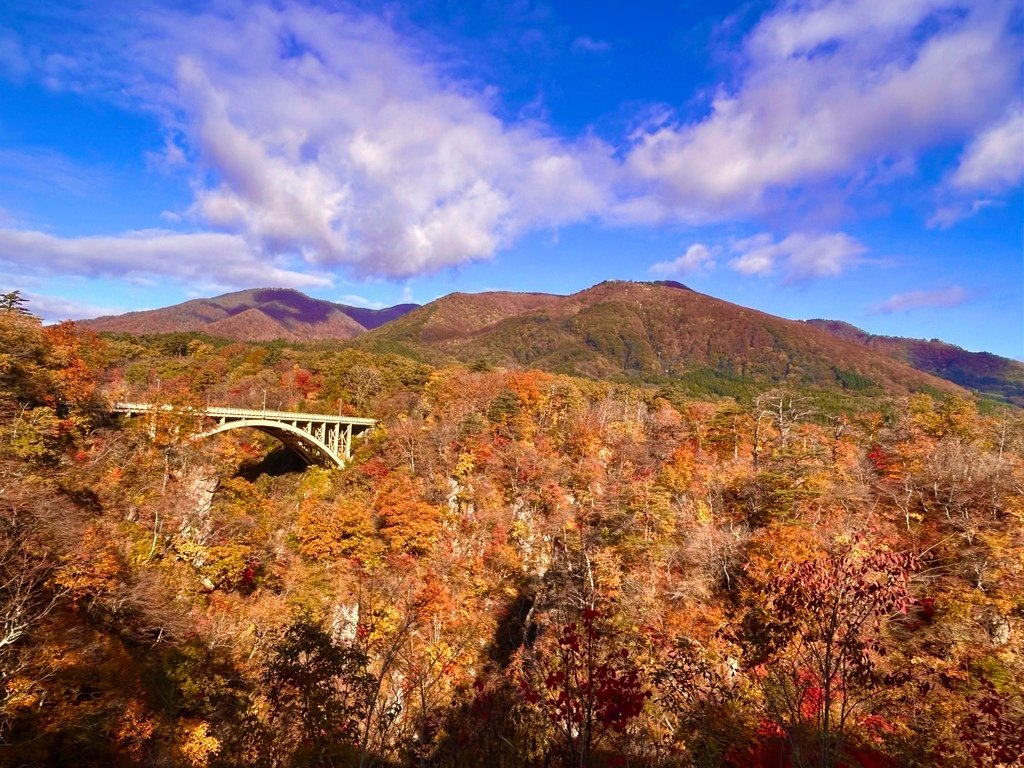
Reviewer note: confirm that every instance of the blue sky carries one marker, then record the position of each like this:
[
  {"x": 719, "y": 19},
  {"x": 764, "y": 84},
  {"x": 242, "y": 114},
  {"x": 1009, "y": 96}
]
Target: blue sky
[{"x": 847, "y": 159}]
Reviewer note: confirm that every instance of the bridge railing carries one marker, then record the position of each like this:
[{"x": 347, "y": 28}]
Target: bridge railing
[
  {"x": 257, "y": 413},
  {"x": 144, "y": 408}
]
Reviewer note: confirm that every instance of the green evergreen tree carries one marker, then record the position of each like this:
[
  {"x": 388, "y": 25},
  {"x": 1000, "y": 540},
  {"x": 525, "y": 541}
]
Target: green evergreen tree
[{"x": 13, "y": 302}]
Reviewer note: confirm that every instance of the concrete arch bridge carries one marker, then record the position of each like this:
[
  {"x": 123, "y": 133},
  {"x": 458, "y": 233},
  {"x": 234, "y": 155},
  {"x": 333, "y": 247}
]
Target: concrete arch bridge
[{"x": 319, "y": 438}]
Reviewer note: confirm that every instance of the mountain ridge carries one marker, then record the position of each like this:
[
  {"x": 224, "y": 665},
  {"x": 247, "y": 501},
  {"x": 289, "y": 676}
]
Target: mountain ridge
[
  {"x": 650, "y": 331},
  {"x": 985, "y": 372},
  {"x": 256, "y": 314},
  {"x": 655, "y": 331}
]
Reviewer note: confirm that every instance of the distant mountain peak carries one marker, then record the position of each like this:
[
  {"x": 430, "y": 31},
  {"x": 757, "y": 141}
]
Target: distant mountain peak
[
  {"x": 658, "y": 331},
  {"x": 674, "y": 284},
  {"x": 655, "y": 330},
  {"x": 256, "y": 314}
]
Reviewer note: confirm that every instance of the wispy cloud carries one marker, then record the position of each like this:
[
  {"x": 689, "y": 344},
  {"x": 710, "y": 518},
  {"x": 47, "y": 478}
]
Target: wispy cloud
[
  {"x": 14, "y": 61},
  {"x": 948, "y": 215},
  {"x": 993, "y": 163},
  {"x": 54, "y": 309},
  {"x": 799, "y": 256},
  {"x": 355, "y": 300},
  {"x": 325, "y": 135},
  {"x": 831, "y": 90},
  {"x": 590, "y": 45},
  {"x": 697, "y": 258},
  {"x": 38, "y": 168},
  {"x": 185, "y": 257},
  {"x": 171, "y": 156},
  {"x": 940, "y": 298}
]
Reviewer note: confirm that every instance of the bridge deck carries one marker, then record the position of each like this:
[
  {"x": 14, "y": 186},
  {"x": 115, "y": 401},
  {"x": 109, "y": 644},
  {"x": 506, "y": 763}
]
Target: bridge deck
[{"x": 246, "y": 413}]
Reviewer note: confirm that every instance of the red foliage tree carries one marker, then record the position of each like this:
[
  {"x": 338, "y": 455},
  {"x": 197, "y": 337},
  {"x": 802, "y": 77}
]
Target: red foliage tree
[
  {"x": 814, "y": 643},
  {"x": 587, "y": 687},
  {"x": 994, "y": 730}
]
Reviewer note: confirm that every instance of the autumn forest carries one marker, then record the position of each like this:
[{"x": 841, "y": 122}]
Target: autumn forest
[{"x": 523, "y": 564}]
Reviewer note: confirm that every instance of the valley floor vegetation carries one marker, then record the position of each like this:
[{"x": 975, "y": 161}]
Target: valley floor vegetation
[{"x": 517, "y": 568}]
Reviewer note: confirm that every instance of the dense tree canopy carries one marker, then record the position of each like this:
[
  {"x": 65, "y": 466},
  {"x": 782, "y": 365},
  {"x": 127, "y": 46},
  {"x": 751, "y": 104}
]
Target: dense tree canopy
[{"x": 517, "y": 568}]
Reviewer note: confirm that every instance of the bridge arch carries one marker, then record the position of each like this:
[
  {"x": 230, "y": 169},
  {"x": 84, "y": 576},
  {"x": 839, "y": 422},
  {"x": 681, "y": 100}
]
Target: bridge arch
[{"x": 313, "y": 450}]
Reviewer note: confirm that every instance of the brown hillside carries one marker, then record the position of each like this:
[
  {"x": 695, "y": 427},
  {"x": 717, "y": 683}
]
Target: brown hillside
[
  {"x": 992, "y": 375},
  {"x": 459, "y": 316},
  {"x": 261, "y": 314},
  {"x": 645, "y": 330}
]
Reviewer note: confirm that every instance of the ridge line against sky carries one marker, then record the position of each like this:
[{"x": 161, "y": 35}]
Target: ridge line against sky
[{"x": 838, "y": 158}]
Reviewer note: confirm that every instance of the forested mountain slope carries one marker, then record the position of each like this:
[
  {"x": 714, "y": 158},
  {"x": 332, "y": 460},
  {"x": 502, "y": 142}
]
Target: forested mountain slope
[
  {"x": 647, "y": 331},
  {"x": 518, "y": 568},
  {"x": 704, "y": 345},
  {"x": 259, "y": 314},
  {"x": 983, "y": 372}
]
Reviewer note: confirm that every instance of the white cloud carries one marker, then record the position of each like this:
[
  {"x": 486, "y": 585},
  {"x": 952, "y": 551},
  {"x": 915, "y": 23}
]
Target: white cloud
[
  {"x": 697, "y": 258},
  {"x": 185, "y": 257},
  {"x": 994, "y": 161},
  {"x": 991, "y": 164},
  {"x": 322, "y": 137},
  {"x": 799, "y": 256},
  {"x": 54, "y": 309},
  {"x": 831, "y": 90},
  {"x": 948, "y": 215},
  {"x": 757, "y": 255},
  {"x": 953, "y": 296},
  {"x": 354, "y": 300},
  {"x": 171, "y": 156},
  {"x": 799, "y": 29},
  {"x": 329, "y": 137}
]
